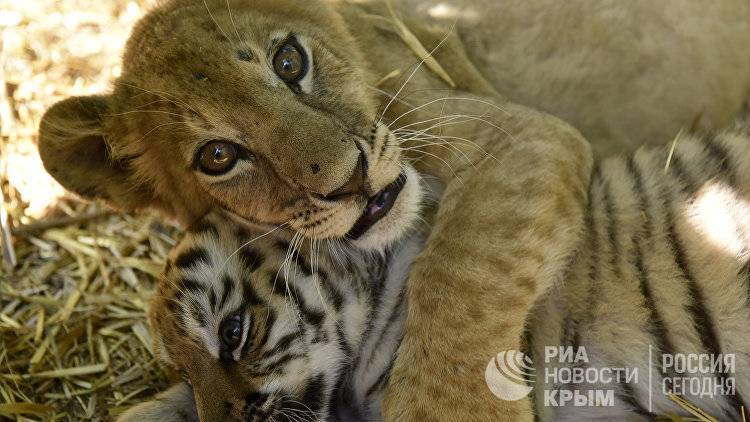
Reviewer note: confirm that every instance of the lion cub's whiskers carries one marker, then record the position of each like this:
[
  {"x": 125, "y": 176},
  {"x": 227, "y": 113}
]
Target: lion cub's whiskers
[
  {"x": 443, "y": 144},
  {"x": 413, "y": 72},
  {"x": 389, "y": 95},
  {"x": 157, "y": 127},
  {"x": 444, "y": 162},
  {"x": 144, "y": 111},
  {"x": 283, "y": 267},
  {"x": 231, "y": 19},
  {"x": 400, "y": 131},
  {"x": 161, "y": 94},
  {"x": 208, "y": 9},
  {"x": 442, "y": 120},
  {"x": 315, "y": 267},
  {"x": 485, "y": 102},
  {"x": 419, "y": 136},
  {"x": 442, "y": 139}
]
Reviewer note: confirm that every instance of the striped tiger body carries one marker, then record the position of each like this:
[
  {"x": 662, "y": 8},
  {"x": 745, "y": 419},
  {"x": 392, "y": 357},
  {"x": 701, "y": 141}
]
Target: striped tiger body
[
  {"x": 660, "y": 274},
  {"x": 662, "y": 268}
]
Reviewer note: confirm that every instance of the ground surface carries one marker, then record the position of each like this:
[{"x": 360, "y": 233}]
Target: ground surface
[{"x": 74, "y": 342}]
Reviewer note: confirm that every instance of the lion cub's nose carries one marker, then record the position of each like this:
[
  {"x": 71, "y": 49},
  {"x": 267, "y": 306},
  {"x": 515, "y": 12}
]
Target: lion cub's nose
[{"x": 356, "y": 183}]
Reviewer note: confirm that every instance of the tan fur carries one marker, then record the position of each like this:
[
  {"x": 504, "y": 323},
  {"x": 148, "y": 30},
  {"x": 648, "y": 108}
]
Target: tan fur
[
  {"x": 126, "y": 148},
  {"x": 440, "y": 364}
]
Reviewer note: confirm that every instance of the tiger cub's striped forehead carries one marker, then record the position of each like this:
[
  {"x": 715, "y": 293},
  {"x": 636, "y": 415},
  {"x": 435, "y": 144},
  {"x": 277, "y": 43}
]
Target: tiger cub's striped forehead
[{"x": 214, "y": 274}]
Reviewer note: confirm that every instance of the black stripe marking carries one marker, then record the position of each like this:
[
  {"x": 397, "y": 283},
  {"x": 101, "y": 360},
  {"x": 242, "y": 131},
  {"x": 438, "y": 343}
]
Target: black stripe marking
[
  {"x": 253, "y": 403},
  {"x": 343, "y": 343},
  {"x": 192, "y": 286},
  {"x": 313, "y": 397},
  {"x": 192, "y": 257},
  {"x": 687, "y": 185},
  {"x": 270, "y": 321},
  {"x": 249, "y": 295},
  {"x": 279, "y": 286},
  {"x": 198, "y": 313},
  {"x": 228, "y": 288},
  {"x": 310, "y": 315},
  {"x": 341, "y": 400},
  {"x": 718, "y": 153},
  {"x": 657, "y": 326},
  {"x": 331, "y": 291},
  {"x": 276, "y": 366},
  {"x": 212, "y": 299},
  {"x": 281, "y": 345},
  {"x": 203, "y": 226},
  {"x": 569, "y": 331},
  {"x": 394, "y": 314},
  {"x": 382, "y": 379},
  {"x": 627, "y": 395},
  {"x": 252, "y": 258},
  {"x": 303, "y": 265},
  {"x": 378, "y": 275},
  {"x": 593, "y": 246},
  {"x": 179, "y": 297},
  {"x": 251, "y": 334},
  {"x": 611, "y": 222},
  {"x": 283, "y": 245},
  {"x": 173, "y": 306}
]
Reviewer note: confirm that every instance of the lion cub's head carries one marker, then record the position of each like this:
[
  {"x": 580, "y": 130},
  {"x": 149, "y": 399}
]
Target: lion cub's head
[{"x": 261, "y": 108}]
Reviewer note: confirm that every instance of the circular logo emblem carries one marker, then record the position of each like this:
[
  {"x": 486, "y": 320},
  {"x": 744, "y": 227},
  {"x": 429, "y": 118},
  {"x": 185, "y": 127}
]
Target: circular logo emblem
[{"x": 507, "y": 374}]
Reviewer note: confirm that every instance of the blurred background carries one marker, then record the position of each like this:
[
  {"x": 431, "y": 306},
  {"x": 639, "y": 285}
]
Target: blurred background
[{"x": 75, "y": 277}]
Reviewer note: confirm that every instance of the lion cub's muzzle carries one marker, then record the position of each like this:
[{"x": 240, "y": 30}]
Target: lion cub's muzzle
[{"x": 356, "y": 185}]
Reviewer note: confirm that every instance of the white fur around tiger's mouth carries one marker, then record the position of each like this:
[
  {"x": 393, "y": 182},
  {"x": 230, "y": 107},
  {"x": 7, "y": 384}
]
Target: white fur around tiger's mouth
[{"x": 377, "y": 207}]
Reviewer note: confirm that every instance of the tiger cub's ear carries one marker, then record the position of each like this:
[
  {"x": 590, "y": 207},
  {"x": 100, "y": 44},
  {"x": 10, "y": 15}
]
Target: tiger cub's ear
[{"x": 73, "y": 145}]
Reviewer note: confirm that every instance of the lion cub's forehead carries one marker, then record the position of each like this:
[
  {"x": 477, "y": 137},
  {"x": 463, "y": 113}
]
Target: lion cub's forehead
[{"x": 175, "y": 29}]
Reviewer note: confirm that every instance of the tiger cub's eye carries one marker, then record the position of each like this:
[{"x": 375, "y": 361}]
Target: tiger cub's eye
[
  {"x": 290, "y": 62},
  {"x": 217, "y": 157},
  {"x": 230, "y": 332}
]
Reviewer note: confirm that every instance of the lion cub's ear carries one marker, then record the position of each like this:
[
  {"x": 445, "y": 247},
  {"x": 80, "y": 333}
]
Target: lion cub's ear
[{"x": 73, "y": 147}]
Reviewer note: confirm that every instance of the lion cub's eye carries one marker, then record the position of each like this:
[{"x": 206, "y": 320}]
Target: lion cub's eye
[
  {"x": 230, "y": 332},
  {"x": 217, "y": 157},
  {"x": 290, "y": 62}
]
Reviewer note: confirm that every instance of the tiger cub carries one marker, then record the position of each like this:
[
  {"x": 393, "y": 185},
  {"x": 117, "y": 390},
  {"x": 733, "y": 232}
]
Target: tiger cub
[{"x": 264, "y": 328}]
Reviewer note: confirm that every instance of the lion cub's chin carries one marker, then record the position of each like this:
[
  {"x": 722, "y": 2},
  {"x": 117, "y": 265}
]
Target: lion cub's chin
[{"x": 400, "y": 219}]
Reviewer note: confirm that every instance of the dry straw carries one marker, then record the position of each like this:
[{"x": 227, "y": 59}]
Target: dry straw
[{"x": 74, "y": 341}]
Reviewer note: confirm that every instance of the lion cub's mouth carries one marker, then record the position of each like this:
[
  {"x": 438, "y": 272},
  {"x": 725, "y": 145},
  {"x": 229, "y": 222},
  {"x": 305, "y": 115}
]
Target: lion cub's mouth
[{"x": 377, "y": 207}]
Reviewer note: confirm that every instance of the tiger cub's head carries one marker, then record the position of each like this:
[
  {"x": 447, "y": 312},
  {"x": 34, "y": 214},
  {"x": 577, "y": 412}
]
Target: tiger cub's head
[
  {"x": 263, "y": 108},
  {"x": 254, "y": 330}
]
